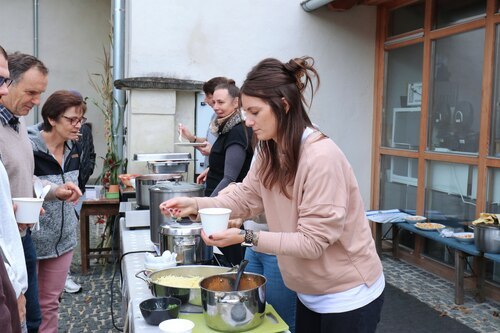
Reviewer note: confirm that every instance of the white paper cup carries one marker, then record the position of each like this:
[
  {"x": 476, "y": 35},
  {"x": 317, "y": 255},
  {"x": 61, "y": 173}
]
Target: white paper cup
[
  {"x": 214, "y": 219},
  {"x": 28, "y": 210}
]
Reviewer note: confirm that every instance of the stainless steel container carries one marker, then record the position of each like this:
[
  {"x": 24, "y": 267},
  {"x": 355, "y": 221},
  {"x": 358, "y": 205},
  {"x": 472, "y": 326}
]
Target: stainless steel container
[
  {"x": 233, "y": 311},
  {"x": 144, "y": 182},
  {"x": 185, "y": 239},
  {"x": 168, "y": 166},
  {"x": 162, "y": 192},
  {"x": 487, "y": 237}
]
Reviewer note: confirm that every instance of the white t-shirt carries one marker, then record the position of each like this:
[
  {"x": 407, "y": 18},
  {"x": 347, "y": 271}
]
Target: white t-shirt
[{"x": 10, "y": 239}]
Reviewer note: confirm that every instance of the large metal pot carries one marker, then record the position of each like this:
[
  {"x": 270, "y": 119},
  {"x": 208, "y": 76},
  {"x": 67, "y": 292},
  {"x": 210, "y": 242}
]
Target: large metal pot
[
  {"x": 184, "y": 238},
  {"x": 144, "y": 182},
  {"x": 186, "y": 295},
  {"x": 487, "y": 237},
  {"x": 162, "y": 192},
  {"x": 233, "y": 311}
]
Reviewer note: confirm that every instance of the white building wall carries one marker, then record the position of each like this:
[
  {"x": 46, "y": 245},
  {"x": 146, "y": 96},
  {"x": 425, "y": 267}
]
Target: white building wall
[
  {"x": 72, "y": 34},
  {"x": 199, "y": 39}
]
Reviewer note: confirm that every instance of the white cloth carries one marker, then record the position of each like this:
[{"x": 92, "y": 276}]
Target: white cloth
[
  {"x": 344, "y": 301},
  {"x": 10, "y": 239}
]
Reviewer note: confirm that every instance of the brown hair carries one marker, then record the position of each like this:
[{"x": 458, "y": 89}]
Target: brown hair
[
  {"x": 20, "y": 63},
  {"x": 271, "y": 80},
  {"x": 3, "y": 53},
  {"x": 209, "y": 86},
  {"x": 58, "y": 103}
]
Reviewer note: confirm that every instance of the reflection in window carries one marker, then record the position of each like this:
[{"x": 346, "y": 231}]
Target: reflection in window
[
  {"x": 450, "y": 195},
  {"x": 495, "y": 107},
  {"x": 449, "y": 12},
  {"x": 398, "y": 184},
  {"x": 455, "y": 102},
  {"x": 407, "y": 18},
  {"x": 401, "y": 119}
]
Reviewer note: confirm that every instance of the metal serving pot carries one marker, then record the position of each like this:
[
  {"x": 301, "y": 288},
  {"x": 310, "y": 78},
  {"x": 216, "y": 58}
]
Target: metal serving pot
[
  {"x": 144, "y": 182},
  {"x": 186, "y": 295},
  {"x": 487, "y": 237},
  {"x": 163, "y": 191},
  {"x": 184, "y": 238},
  {"x": 233, "y": 311}
]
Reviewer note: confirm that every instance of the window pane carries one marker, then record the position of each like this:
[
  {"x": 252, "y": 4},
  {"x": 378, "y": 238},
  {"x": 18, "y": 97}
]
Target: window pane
[
  {"x": 450, "y": 195},
  {"x": 495, "y": 107},
  {"x": 449, "y": 12},
  {"x": 455, "y": 101},
  {"x": 398, "y": 182},
  {"x": 406, "y": 19},
  {"x": 401, "y": 122}
]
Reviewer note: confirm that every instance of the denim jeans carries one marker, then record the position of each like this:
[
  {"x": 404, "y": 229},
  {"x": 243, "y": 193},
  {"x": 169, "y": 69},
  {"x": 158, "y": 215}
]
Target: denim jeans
[
  {"x": 33, "y": 313},
  {"x": 277, "y": 294}
]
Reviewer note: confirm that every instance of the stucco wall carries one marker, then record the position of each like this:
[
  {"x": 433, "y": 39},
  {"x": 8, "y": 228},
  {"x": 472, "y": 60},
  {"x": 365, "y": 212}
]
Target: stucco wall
[
  {"x": 197, "y": 39},
  {"x": 72, "y": 34}
]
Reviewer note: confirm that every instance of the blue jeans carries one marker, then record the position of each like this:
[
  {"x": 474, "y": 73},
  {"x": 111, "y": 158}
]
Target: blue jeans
[
  {"x": 33, "y": 313},
  {"x": 277, "y": 294}
]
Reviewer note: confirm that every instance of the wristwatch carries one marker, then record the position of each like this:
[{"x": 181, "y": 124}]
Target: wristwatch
[{"x": 251, "y": 238}]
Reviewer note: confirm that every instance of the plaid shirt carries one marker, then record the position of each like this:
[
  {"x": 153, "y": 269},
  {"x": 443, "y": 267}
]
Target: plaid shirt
[{"x": 7, "y": 118}]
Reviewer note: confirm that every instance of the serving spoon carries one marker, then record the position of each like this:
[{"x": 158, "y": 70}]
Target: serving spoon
[{"x": 239, "y": 311}]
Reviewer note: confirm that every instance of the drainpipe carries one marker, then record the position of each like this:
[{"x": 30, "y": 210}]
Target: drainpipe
[
  {"x": 35, "y": 47},
  {"x": 310, "y": 5},
  {"x": 118, "y": 64}
]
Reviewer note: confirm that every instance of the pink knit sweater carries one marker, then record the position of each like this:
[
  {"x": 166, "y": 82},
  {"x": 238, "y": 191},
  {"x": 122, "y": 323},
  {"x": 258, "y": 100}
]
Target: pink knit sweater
[{"x": 321, "y": 236}]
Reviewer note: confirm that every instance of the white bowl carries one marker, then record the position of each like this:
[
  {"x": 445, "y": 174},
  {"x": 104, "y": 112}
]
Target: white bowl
[
  {"x": 176, "y": 326},
  {"x": 464, "y": 237},
  {"x": 214, "y": 219},
  {"x": 415, "y": 219}
]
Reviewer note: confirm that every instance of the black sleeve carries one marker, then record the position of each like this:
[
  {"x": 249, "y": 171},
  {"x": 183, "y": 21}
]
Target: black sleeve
[{"x": 235, "y": 158}]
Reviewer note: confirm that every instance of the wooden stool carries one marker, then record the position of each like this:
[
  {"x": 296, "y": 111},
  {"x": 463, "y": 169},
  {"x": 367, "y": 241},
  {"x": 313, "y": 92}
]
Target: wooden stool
[{"x": 109, "y": 207}]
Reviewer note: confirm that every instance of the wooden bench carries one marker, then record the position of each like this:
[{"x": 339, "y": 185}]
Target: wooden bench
[
  {"x": 462, "y": 251},
  {"x": 109, "y": 207}
]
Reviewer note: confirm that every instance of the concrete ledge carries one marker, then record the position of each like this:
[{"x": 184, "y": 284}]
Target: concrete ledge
[{"x": 158, "y": 83}]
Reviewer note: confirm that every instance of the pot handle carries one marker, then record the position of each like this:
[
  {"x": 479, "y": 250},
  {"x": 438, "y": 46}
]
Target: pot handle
[
  {"x": 232, "y": 301},
  {"x": 147, "y": 280}
]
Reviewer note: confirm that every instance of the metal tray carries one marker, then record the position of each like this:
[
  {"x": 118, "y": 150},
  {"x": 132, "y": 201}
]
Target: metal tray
[{"x": 162, "y": 157}]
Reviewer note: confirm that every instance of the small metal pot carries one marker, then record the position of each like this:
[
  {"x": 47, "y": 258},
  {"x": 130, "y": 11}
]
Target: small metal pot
[
  {"x": 184, "y": 238},
  {"x": 144, "y": 182},
  {"x": 162, "y": 192},
  {"x": 186, "y": 295},
  {"x": 233, "y": 311},
  {"x": 487, "y": 237}
]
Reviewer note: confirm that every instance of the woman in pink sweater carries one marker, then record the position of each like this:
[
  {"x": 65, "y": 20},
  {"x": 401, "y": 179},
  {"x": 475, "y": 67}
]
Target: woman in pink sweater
[{"x": 308, "y": 191}]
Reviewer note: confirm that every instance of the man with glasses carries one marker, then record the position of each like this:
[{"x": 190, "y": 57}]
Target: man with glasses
[
  {"x": 29, "y": 81},
  {"x": 13, "y": 276}
]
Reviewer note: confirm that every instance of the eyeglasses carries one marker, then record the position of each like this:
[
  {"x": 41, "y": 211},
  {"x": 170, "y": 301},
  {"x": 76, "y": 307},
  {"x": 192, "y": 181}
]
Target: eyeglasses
[
  {"x": 75, "y": 120},
  {"x": 5, "y": 80}
]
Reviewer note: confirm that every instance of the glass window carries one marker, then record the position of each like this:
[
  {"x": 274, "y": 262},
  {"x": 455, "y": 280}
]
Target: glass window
[
  {"x": 455, "y": 101},
  {"x": 449, "y": 12},
  {"x": 401, "y": 119},
  {"x": 495, "y": 107},
  {"x": 406, "y": 19},
  {"x": 450, "y": 193},
  {"x": 398, "y": 183}
]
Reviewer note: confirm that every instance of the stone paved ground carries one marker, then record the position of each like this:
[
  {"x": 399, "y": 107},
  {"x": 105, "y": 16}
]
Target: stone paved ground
[{"x": 89, "y": 311}]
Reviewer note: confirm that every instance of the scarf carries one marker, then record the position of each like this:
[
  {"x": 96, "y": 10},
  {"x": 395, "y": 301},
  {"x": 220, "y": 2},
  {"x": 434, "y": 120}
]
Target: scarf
[{"x": 225, "y": 124}]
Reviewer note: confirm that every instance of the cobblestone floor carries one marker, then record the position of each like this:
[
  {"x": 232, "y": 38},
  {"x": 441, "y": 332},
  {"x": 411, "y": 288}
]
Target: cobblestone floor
[
  {"x": 90, "y": 310},
  {"x": 439, "y": 294}
]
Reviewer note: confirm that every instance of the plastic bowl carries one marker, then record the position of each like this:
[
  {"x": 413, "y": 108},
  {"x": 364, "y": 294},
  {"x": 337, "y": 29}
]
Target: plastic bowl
[
  {"x": 415, "y": 219},
  {"x": 158, "y": 309},
  {"x": 464, "y": 237},
  {"x": 177, "y": 326}
]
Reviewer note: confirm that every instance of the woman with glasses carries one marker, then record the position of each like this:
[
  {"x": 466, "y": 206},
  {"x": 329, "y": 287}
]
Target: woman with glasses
[{"x": 56, "y": 160}]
